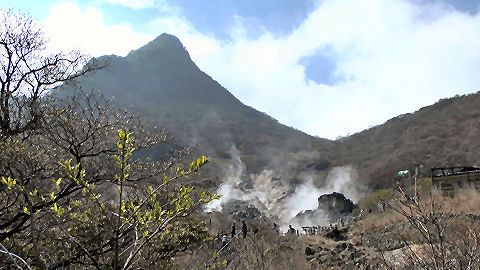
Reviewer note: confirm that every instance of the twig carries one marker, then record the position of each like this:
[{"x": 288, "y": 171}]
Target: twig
[{"x": 12, "y": 255}]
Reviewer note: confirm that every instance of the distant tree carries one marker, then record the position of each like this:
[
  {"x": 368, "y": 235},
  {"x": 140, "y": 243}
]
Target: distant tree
[{"x": 373, "y": 200}]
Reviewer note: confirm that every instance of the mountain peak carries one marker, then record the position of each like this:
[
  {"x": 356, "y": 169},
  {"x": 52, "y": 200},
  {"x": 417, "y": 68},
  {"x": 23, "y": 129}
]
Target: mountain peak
[
  {"x": 165, "y": 41},
  {"x": 165, "y": 44}
]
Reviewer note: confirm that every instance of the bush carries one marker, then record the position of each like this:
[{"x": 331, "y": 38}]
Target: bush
[{"x": 372, "y": 201}]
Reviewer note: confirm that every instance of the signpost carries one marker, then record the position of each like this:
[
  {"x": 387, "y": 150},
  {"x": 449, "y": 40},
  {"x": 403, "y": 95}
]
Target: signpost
[
  {"x": 404, "y": 173},
  {"x": 407, "y": 172}
]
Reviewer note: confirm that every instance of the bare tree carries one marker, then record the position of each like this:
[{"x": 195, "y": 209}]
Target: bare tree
[
  {"x": 437, "y": 239},
  {"x": 71, "y": 194},
  {"x": 28, "y": 70}
]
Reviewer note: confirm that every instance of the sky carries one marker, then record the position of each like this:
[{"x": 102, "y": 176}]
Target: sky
[{"x": 327, "y": 67}]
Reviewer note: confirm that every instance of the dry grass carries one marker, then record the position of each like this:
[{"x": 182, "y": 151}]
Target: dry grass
[
  {"x": 464, "y": 202},
  {"x": 442, "y": 232},
  {"x": 377, "y": 220},
  {"x": 317, "y": 240}
]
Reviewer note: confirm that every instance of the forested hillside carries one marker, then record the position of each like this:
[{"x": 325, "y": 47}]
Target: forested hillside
[{"x": 445, "y": 133}]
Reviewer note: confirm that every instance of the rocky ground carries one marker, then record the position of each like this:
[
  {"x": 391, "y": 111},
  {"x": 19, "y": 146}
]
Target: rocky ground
[
  {"x": 377, "y": 239},
  {"x": 368, "y": 243},
  {"x": 327, "y": 251}
]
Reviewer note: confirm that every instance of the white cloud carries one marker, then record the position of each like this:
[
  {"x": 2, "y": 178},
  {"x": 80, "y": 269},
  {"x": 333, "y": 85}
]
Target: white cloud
[
  {"x": 71, "y": 28},
  {"x": 396, "y": 56}
]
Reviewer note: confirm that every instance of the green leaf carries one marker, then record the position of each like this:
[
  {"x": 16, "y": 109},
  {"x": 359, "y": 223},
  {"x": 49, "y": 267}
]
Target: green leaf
[{"x": 9, "y": 182}]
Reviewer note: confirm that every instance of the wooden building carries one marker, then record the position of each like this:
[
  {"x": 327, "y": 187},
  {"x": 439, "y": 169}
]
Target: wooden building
[{"x": 454, "y": 178}]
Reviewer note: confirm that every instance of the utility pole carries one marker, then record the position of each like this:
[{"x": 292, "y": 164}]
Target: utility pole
[
  {"x": 410, "y": 179},
  {"x": 416, "y": 164},
  {"x": 416, "y": 174}
]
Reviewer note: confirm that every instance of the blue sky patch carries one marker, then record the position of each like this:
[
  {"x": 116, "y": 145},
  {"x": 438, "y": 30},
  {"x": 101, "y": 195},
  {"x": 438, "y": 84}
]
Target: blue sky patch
[
  {"x": 467, "y": 6},
  {"x": 279, "y": 17},
  {"x": 321, "y": 67}
]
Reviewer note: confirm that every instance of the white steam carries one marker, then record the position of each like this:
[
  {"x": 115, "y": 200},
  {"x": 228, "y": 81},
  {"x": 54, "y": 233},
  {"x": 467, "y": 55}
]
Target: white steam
[
  {"x": 261, "y": 195},
  {"x": 275, "y": 198},
  {"x": 228, "y": 190}
]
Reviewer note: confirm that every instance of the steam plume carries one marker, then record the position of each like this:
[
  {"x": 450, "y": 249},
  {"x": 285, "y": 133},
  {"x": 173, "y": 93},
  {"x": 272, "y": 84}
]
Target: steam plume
[{"x": 276, "y": 198}]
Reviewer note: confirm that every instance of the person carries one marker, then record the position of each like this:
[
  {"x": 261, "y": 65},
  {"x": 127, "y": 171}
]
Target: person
[
  {"x": 291, "y": 230},
  {"x": 244, "y": 229},
  {"x": 233, "y": 229},
  {"x": 224, "y": 240},
  {"x": 255, "y": 230},
  {"x": 275, "y": 227}
]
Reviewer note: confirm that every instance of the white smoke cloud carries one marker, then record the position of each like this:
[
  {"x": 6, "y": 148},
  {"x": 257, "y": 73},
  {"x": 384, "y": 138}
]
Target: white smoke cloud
[
  {"x": 275, "y": 199},
  {"x": 304, "y": 198},
  {"x": 262, "y": 194},
  {"x": 228, "y": 189},
  {"x": 339, "y": 179},
  {"x": 344, "y": 180}
]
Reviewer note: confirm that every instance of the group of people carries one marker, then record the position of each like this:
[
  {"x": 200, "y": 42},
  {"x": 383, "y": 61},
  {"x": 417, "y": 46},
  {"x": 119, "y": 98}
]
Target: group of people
[
  {"x": 244, "y": 230},
  {"x": 292, "y": 230}
]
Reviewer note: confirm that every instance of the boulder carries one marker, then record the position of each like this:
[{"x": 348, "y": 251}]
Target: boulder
[
  {"x": 335, "y": 204},
  {"x": 241, "y": 210},
  {"x": 330, "y": 208}
]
